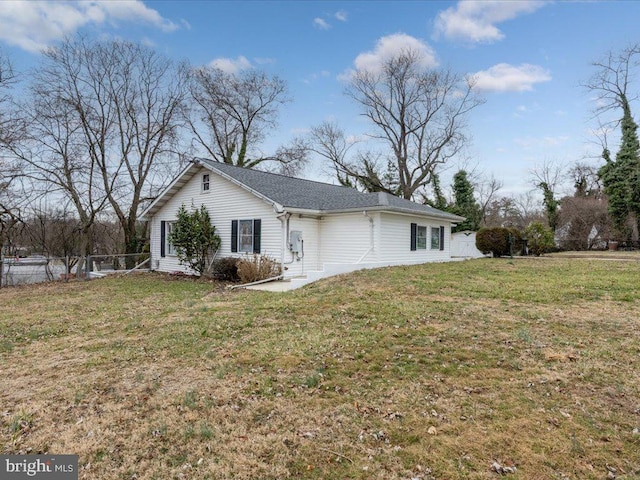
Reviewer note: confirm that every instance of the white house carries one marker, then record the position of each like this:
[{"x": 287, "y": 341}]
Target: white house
[{"x": 313, "y": 229}]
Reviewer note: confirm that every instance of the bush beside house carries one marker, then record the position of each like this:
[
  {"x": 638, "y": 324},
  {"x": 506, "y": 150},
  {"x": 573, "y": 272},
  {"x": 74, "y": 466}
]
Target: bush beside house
[{"x": 499, "y": 241}]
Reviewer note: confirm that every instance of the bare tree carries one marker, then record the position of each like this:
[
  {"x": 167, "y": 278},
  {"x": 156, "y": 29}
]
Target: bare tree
[
  {"x": 518, "y": 211},
  {"x": 419, "y": 115},
  {"x": 546, "y": 177},
  {"x": 611, "y": 83},
  {"x": 232, "y": 115},
  {"x": 9, "y": 131},
  {"x": 584, "y": 220},
  {"x": 329, "y": 141},
  {"x": 585, "y": 180},
  {"x": 612, "y": 79},
  {"x": 54, "y": 159},
  {"x": 486, "y": 189},
  {"x": 104, "y": 123},
  {"x": 8, "y": 78},
  {"x": 548, "y": 172}
]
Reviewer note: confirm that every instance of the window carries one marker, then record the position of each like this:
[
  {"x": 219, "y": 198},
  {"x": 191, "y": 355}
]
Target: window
[
  {"x": 170, "y": 249},
  {"x": 418, "y": 237},
  {"x": 245, "y": 235},
  {"x": 435, "y": 238},
  {"x": 421, "y": 238},
  {"x": 166, "y": 248},
  {"x": 205, "y": 183}
]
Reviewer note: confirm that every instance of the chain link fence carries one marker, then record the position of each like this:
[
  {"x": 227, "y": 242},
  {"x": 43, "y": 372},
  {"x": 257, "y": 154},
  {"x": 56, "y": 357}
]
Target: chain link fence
[{"x": 16, "y": 271}]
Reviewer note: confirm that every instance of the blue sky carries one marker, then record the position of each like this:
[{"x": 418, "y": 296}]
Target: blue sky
[{"x": 530, "y": 58}]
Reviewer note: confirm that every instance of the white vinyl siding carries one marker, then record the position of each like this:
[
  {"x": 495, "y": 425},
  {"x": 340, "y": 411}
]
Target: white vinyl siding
[
  {"x": 395, "y": 243},
  {"x": 225, "y": 202},
  {"x": 346, "y": 238},
  {"x": 349, "y": 239},
  {"x": 310, "y": 227}
]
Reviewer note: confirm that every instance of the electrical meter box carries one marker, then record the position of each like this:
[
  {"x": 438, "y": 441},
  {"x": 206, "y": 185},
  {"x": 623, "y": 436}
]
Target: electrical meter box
[{"x": 295, "y": 241}]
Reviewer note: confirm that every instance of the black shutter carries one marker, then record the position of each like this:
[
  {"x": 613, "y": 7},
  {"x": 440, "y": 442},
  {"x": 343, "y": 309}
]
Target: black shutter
[
  {"x": 414, "y": 234},
  {"x": 441, "y": 238},
  {"x": 163, "y": 233},
  {"x": 234, "y": 235},
  {"x": 257, "y": 224}
]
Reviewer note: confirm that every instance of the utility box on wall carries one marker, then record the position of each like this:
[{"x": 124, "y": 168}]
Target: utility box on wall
[{"x": 295, "y": 241}]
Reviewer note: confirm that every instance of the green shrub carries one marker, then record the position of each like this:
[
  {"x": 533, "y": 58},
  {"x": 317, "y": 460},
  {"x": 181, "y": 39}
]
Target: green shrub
[
  {"x": 194, "y": 238},
  {"x": 495, "y": 240},
  {"x": 518, "y": 240},
  {"x": 226, "y": 268},
  {"x": 539, "y": 238},
  {"x": 257, "y": 267}
]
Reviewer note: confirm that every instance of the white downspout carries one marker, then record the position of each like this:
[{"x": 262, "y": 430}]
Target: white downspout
[{"x": 284, "y": 218}]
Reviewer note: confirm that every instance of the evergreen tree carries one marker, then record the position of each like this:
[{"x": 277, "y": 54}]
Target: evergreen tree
[
  {"x": 539, "y": 238},
  {"x": 440, "y": 201},
  {"x": 550, "y": 205},
  {"x": 621, "y": 179},
  {"x": 465, "y": 203},
  {"x": 194, "y": 238}
]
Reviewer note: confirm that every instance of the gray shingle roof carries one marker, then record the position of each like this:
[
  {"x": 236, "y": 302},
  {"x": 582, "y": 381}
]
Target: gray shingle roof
[{"x": 303, "y": 194}]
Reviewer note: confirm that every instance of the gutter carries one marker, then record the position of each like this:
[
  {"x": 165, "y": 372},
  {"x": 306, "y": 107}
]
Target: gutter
[{"x": 377, "y": 208}]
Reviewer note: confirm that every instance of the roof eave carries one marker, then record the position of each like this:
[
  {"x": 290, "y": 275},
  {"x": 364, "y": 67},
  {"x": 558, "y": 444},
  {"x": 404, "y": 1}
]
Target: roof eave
[
  {"x": 159, "y": 201},
  {"x": 376, "y": 208}
]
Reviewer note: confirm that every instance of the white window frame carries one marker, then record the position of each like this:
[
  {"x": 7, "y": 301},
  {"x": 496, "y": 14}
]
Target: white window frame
[
  {"x": 247, "y": 236},
  {"x": 205, "y": 185},
  {"x": 421, "y": 240},
  {"x": 435, "y": 236},
  {"x": 169, "y": 249}
]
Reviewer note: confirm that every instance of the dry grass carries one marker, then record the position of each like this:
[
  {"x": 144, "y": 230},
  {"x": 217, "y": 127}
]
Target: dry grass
[{"x": 432, "y": 371}]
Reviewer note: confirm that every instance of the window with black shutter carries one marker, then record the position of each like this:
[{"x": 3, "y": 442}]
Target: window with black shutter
[
  {"x": 246, "y": 235},
  {"x": 234, "y": 235},
  {"x": 414, "y": 236},
  {"x": 163, "y": 235}
]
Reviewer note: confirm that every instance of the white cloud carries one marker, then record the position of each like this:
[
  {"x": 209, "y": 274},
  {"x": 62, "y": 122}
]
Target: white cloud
[
  {"x": 146, "y": 41},
  {"x": 264, "y": 60},
  {"x": 33, "y": 26},
  {"x": 315, "y": 76},
  {"x": 229, "y": 65},
  {"x": 541, "y": 142},
  {"x": 389, "y": 47},
  {"x": 474, "y": 21},
  {"x": 321, "y": 24},
  {"x": 510, "y": 78},
  {"x": 341, "y": 15}
]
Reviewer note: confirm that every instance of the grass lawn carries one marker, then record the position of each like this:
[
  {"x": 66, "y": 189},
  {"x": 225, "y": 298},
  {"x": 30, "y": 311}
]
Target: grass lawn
[{"x": 425, "y": 372}]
